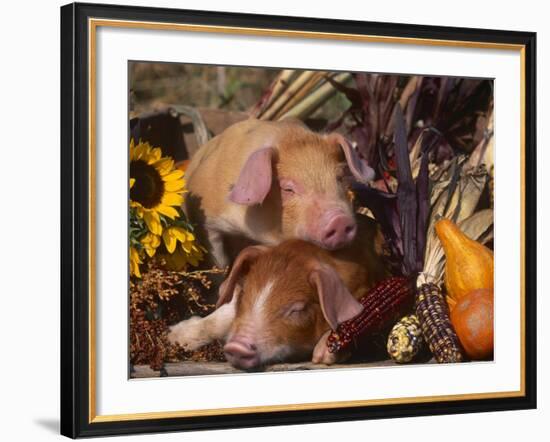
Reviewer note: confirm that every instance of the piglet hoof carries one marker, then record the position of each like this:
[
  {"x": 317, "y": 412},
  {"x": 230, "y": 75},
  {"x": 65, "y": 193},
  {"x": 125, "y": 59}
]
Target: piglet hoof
[
  {"x": 321, "y": 354},
  {"x": 189, "y": 334}
]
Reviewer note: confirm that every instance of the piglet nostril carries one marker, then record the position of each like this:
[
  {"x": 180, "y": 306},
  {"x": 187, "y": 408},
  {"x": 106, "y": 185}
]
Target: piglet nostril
[
  {"x": 350, "y": 230},
  {"x": 241, "y": 353},
  {"x": 339, "y": 231}
]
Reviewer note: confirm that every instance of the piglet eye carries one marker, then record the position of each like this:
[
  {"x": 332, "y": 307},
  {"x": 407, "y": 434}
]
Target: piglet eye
[
  {"x": 296, "y": 308},
  {"x": 287, "y": 186}
]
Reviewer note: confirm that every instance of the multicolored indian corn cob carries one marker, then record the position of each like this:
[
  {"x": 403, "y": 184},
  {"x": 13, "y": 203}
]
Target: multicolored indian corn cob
[
  {"x": 405, "y": 340},
  {"x": 382, "y": 304},
  {"x": 433, "y": 313}
]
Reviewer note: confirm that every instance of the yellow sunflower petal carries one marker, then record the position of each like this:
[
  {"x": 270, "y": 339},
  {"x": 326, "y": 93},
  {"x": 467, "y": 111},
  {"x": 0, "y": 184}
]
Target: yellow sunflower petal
[
  {"x": 141, "y": 151},
  {"x": 172, "y": 199},
  {"x": 132, "y": 182},
  {"x": 134, "y": 255},
  {"x": 134, "y": 269},
  {"x": 174, "y": 186},
  {"x": 164, "y": 165},
  {"x": 135, "y": 261},
  {"x": 169, "y": 240},
  {"x": 150, "y": 243},
  {"x": 155, "y": 241},
  {"x": 168, "y": 211},
  {"x": 152, "y": 220},
  {"x": 154, "y": 155},
  {"x": 179, "y": 233},
  {"x": 150, "y": 251},
  {"x": 174, "y": 175},
  {"x": 151, "y": 240}
]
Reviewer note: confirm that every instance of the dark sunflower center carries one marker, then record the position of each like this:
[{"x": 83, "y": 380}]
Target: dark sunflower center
[{"x": 148, "y": 187}]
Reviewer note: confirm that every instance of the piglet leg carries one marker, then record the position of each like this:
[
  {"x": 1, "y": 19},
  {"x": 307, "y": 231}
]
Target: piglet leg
[
  {"x": 195, "y": 332},
  {"x": 321, "y": 355},
  {"x": 217, "y": 250}
]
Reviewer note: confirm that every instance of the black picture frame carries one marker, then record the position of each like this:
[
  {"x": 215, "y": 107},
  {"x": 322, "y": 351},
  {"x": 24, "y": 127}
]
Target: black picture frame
[{"x": 75, "y": 219}]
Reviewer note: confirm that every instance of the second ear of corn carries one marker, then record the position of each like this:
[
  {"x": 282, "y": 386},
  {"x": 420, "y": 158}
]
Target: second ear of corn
[{"x": 433, "y": 313}]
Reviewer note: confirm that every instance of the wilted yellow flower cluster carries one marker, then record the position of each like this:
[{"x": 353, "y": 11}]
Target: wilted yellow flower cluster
[{"x": 157, "y": 191}]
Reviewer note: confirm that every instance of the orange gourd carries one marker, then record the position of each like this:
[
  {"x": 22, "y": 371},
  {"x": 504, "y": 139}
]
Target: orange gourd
[
  {"x": 469, "y": 264},
  {"x": 472, "y": 319}
]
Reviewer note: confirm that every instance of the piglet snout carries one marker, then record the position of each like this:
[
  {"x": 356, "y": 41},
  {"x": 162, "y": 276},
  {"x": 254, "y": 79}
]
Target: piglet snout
[
  {"x": 241, "y": 352},
  {"x": 339, "y": 230}
]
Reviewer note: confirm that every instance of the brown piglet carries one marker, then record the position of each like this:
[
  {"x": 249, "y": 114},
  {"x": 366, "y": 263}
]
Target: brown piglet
[
  {"x": 278, "y": 304},
  {"x": 262, "y": 182}
]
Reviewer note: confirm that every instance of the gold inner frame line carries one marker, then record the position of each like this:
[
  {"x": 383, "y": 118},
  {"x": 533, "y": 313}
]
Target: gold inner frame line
[{"x": 93, "y": 24}]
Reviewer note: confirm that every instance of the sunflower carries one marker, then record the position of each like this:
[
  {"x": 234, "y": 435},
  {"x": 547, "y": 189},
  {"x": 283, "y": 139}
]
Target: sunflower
[
  {"x": 135, "y": 261},
  {"x": 180, "y": 259},
  {"x": 150, "y": 243},
  {"x": 188, "y": 252},
  {"x": 156, "y": 186}
]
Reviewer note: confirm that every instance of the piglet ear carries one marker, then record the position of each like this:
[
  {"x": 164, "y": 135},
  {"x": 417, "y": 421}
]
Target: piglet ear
[
  {"x": 358, "y": 166},
  {"x": 337, "y": 303},
  {"x": 240, "y": 268},
  {"x": 254, "y": 182}
]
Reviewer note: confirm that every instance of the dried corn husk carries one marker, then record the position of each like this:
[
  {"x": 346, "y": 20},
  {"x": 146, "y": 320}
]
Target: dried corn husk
[
  {"x": 290, "y": 91},
  {"x": 409, "y": 90},
  {"x": 317, "y": 79},
  {"x": 279, "y": 84},
  {"x": 483, "y": 152},
  {"x": 455, "y": 195},
  {"x": 315, "y": 100}
]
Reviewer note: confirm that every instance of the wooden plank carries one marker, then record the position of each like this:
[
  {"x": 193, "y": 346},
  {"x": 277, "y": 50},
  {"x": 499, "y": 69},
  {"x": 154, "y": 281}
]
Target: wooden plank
[
  {"x": 143, "y": 371},
  {"x": 191, "y": 368}
]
